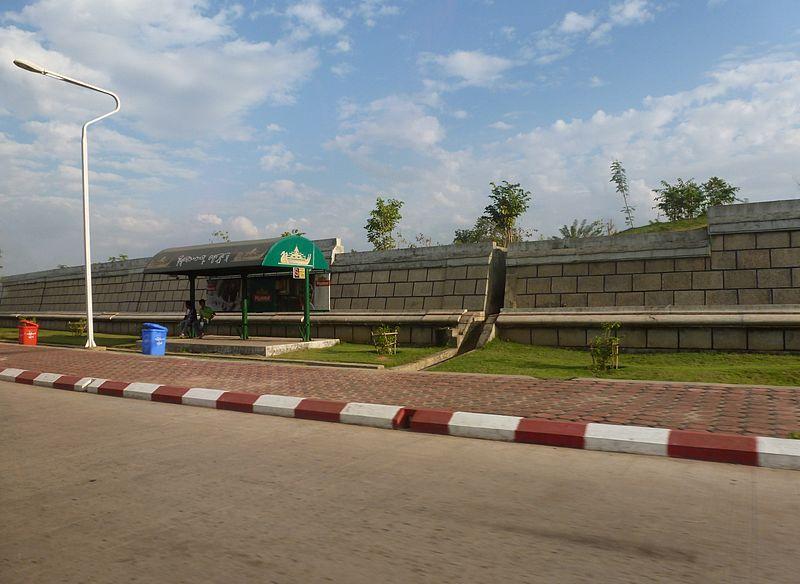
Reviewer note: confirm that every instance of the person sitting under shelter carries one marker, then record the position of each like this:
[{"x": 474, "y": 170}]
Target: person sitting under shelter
[
  {"x": 189, "y": 321},
  {"x": 206, "y": 314}
]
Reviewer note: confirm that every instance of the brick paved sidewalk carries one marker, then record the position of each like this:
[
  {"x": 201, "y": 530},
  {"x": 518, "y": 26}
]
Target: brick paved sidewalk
[{"x": 760, "y": 411}]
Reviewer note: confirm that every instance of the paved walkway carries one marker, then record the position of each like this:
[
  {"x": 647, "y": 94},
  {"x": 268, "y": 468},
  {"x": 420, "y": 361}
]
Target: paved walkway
[{"x": 760, "y": 411}]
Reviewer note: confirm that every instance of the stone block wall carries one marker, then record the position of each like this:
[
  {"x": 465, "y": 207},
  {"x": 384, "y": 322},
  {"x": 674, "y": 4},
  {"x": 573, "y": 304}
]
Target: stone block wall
[
  {"x": 633, "y": 270},
  {"x": 449, "y": 277},
  {"x": 734, "y": 285},
  {"x": 665, "y": 339},
  {"x": 116, "y": 287},
  {"x": 730, "y": 263},
  {"x": 755, "y": 252},
  {"x": 766, "y": 329}
]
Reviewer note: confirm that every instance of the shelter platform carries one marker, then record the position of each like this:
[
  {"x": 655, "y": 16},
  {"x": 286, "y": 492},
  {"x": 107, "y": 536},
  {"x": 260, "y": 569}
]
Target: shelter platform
[{"x": 261, "y": 346}]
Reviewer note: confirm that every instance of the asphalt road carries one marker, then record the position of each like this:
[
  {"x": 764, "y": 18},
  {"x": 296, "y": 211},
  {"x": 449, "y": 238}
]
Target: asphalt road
[{"x": 100, "y": 489}]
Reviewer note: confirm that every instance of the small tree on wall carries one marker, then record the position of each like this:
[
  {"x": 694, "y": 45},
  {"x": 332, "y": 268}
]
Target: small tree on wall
[
  {"x": 719, "y": 192},
  {"x": 687, "y": 199},
  {"x": 484, "y": 230},
  {"x": 619, "y": 178},
  {"x": 499, "y": 220},
  {"x": 683, "y": 200},
  {"x": 382, "y": 222},
  {"x": 509, "y": 202}
]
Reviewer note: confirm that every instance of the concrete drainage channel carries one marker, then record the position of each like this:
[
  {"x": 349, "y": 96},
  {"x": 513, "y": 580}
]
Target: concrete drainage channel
[{"x": 750, "y": 450}]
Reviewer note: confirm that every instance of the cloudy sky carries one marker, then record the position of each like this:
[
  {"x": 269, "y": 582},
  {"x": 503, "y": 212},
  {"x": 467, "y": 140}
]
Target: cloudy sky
[{"x": 256, "y": 116}]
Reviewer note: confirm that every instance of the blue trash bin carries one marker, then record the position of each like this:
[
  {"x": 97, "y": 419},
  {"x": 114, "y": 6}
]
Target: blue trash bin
[{"x": 154, "y": 339}]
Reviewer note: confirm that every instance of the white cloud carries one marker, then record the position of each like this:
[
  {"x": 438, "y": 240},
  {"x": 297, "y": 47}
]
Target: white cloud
[
  {"x": 631, "y": 12},
  {"x": 180, "y": 69},
  {"x": 244, "y": 227},
  {"x": 285, "y": 188},
  {"x": 560, "y": 39},
  {"x": 574, "y": 22},
  {"x": 372, "y": 10},
  {"x": 275, "y": 229},
  {"x": 501, "y": 125},
  {"x": 394, "y": 121},
  {"x": 509, "y": 32},
  {"x": 342, "y": 69},
  {"x": 460, "y": 114},
  {"x": 275, "y": 128},
  {"x": 209, "y": 219},
  {"x": 595, "y": 81},
  {"x": 471, "y": 68},
  {"x": 313, "y": 16},
  {"x": 343, "y": 45},
  {"x": 277, "y": 157}
]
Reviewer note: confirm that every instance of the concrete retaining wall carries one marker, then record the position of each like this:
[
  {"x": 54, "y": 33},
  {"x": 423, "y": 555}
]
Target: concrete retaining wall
[
  {"x": 722, "y": 265},
  {"x": 446, "y": 277},
  {"x": 769, "y": 329},
  {"x": 726, "y": 278}
]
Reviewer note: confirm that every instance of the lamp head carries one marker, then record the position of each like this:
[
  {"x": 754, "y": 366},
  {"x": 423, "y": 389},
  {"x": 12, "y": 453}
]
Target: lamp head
[{"x": 29, "y": 66}]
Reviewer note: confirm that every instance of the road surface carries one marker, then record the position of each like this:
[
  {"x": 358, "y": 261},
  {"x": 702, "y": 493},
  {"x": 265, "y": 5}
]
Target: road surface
[{"x": 99, "y": 489}]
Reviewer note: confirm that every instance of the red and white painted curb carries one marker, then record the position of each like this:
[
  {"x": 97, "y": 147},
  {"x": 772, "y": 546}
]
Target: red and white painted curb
[
  {"x": 708, "y": 446},
  {"x": 376, "y": 415}
]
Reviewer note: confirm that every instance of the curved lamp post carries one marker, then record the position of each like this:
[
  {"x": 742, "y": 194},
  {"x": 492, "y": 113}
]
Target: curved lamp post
[{"x": 33, "y": 68}]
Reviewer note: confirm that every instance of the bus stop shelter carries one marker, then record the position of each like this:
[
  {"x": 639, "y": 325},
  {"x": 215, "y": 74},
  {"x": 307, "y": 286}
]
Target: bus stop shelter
[{"x": 292, "y": 255}]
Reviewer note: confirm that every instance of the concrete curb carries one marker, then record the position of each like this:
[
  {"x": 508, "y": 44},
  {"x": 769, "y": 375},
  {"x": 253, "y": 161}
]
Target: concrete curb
[{"x": 707, "y": 446}]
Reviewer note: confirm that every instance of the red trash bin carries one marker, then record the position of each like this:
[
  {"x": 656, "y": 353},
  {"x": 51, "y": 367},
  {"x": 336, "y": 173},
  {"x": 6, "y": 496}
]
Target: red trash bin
[{"x": 28, "y": 332}]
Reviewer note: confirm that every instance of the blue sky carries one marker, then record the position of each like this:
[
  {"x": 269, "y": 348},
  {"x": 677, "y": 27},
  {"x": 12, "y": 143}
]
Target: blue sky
[{"x": 255, "y": 117}]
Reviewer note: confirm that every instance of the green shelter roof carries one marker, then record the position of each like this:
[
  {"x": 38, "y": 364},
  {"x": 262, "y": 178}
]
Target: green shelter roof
[{"x": 239, "y": 257}]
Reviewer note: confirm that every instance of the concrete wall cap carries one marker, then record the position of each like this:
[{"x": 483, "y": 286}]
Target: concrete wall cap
[{"x": 652, "y": 319}]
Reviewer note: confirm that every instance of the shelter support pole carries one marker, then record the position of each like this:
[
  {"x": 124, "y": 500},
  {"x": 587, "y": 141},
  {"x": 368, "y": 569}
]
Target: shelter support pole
[
  {"x": 245, "y": 297},
  {"x": 192, "y": 278},
  {"x": 307, "y": 307}
]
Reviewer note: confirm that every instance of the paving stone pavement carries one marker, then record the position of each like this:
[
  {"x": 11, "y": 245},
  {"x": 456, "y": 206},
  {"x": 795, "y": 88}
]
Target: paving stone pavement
[{"x": 760, "y": 411}]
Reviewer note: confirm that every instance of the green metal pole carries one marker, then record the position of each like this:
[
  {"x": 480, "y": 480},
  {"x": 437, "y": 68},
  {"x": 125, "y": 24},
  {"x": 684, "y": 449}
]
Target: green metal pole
[
  {"x": 245, "y": 333},
  {"x": 307, "y": 307},
  {"x": 191, "y": 299}
]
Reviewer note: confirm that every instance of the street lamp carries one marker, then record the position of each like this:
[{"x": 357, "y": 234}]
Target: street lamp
[{"x": 34, "y": 68}]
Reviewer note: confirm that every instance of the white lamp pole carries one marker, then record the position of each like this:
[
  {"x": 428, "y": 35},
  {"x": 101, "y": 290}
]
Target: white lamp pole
[{"x": 32, "y": 67}]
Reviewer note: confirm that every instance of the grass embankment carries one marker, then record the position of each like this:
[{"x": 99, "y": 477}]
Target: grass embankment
[
  {"x": 502, "y": 357},
  {"x": 354, "y": 353},
  {"x": 49, "y": 337},
  {"x": 660, "y": 227}
]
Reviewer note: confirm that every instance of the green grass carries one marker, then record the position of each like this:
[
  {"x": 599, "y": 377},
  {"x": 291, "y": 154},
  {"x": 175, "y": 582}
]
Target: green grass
[
  {"x": 354, "y": 353},
  {"x": 49, "y": 337},
  {"x": 502, "y": 357},
  {"x": 659, "y": 227}
]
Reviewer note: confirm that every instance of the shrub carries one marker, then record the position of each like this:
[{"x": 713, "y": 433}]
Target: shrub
[
  {"x": 77, "y": 328},
  {"x": 384, "y": 337},
  {"x": 605, "y": 348}
]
